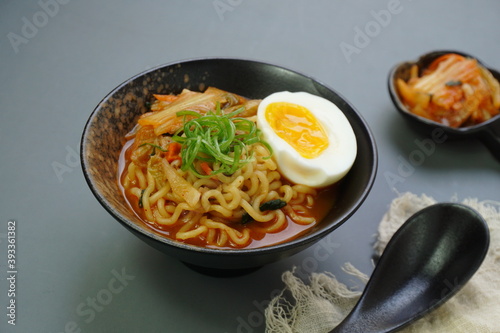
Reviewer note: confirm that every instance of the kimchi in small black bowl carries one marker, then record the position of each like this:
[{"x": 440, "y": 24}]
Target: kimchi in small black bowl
[{"x": 486, "y": 129}]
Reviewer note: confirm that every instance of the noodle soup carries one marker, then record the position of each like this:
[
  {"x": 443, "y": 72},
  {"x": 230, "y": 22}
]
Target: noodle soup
[{"x": 197, "y": 170}]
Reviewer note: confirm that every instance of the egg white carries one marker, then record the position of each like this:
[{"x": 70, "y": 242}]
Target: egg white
[{"x": 333, "y": 163}]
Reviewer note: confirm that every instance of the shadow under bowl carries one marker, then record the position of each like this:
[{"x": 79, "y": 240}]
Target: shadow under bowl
[{"x": 117, "y": 113}]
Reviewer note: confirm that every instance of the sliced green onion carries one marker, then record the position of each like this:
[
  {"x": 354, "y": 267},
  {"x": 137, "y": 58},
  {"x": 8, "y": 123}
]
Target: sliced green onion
[
  {"x": 140, "y": 199},
  {"x": 272, "y": 205},
  {"x": 453, "y": 83},
  {"x": 154, "y": 148},
  {"x": 217, "y": 138},
  {"x": 153, "y": 145}
]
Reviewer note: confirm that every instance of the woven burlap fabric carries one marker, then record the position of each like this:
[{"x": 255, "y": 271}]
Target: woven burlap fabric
[{"x": 318, "y": 305}]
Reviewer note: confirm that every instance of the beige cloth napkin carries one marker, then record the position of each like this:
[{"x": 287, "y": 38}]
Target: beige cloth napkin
[{"x": 322, "y": 302}]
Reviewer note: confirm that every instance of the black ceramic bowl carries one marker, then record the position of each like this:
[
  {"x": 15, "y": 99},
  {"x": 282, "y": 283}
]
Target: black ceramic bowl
[
  {"x": 117, "y": 113},
  {"x": 487, "y": 132}
]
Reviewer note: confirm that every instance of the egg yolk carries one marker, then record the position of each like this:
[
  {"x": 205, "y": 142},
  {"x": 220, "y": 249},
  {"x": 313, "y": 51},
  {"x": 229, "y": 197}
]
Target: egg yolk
[{"x": 298, "y": 127}]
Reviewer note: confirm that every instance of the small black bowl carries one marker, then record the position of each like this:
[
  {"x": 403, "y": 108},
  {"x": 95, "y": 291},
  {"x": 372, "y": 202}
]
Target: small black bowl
[
  {"x": 487, "y": 132},
  {"x": 117, "y": 113}
]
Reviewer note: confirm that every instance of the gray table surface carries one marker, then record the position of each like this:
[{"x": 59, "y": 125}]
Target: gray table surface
[{"x": 80, "y": 271}]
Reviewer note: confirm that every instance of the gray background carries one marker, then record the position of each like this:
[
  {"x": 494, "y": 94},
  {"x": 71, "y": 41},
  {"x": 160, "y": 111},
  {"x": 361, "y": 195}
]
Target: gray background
[{"x": 69, "y": 250}]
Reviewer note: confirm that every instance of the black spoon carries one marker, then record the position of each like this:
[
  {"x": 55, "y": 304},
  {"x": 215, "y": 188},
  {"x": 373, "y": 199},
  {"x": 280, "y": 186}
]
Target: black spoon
[
  {"x": 427, "y": 261},
  {"x": 487, "y": 132}
]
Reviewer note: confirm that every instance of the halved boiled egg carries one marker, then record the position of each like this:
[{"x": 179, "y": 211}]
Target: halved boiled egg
[{"x": 313, "y": 142}]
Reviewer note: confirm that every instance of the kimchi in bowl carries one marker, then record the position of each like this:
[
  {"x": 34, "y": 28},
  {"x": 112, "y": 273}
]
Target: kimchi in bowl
[{"x": 116, "y": 115}]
